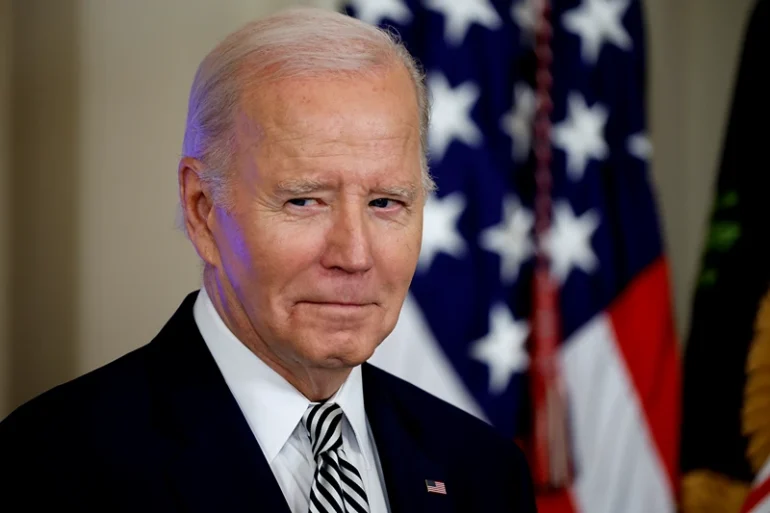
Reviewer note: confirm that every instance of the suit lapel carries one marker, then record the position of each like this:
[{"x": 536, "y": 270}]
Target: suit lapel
[
  {"x": 215, "y": 462},
  {"x": 403, "y": 450}
]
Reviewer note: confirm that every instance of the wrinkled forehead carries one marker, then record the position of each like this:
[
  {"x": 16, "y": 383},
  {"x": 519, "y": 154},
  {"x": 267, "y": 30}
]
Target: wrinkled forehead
[
  {"x": 363, "y": 131},
  {"x": 372, "y": 113}
]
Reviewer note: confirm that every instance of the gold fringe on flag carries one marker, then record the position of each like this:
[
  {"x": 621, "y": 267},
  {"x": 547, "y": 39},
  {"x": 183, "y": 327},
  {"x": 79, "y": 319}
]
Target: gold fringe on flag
[
  {"x": 704, "y": 491},
  {"x": 756, "y": 400}
]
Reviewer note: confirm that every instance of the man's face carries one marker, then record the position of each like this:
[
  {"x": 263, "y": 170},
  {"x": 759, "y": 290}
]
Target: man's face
[{"x": 324, "y": 236}]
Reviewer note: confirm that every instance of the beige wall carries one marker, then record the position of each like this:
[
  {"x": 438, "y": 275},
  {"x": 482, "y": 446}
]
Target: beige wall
[
  {"x": 98, "y": 95},
  {"x": 138, "y": 59},
  {"x": 5, "y": 75},
  {"x": 715, "y": 39},
  {"x": 695, "y": 46}
]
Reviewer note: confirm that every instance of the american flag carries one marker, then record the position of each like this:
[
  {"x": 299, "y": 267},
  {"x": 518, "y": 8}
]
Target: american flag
[
  {"x": 465, "y": 333},
  {"x": 435, "y": 487}
]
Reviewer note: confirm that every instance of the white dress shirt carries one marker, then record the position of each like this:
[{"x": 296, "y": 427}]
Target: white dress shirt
[{"x": 273, "y": 409}]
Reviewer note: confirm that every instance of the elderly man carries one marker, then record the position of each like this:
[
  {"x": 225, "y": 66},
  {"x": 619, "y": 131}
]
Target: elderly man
[{"x": 302, "y": 186}]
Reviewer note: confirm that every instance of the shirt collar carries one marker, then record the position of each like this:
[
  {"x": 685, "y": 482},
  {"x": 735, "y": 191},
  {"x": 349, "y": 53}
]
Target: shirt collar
[
  {"x": 272, "y": 407},
  {"x": 350, "y": 397}
]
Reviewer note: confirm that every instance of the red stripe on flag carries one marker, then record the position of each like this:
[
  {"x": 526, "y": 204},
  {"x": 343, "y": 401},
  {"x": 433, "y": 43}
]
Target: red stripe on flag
[
  {"x": 644, "y": 331},
  {"x": 756, "y": 496}
]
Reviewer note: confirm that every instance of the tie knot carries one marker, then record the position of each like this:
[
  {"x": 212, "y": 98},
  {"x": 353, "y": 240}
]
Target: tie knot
[{"x": 323, "y": 422}]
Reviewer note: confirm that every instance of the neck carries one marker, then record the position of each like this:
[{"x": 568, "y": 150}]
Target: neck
[{"x": 315, "y": 383}]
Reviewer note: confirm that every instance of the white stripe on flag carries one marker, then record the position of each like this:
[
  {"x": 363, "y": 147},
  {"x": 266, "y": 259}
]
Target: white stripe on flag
[
  {"x": 412, "y": 353},
  {"x": 619, "y": 468}
]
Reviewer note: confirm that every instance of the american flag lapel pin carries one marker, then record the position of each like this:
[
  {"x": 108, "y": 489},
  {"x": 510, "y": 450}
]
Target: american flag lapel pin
[{"x": 435, "y": 487}]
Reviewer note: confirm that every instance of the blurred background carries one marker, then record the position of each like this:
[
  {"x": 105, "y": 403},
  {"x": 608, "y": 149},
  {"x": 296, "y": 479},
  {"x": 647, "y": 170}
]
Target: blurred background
[{"x": 92, "y": 108}]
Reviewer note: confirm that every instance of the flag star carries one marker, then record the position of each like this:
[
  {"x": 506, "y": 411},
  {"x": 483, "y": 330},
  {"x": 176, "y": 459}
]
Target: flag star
[
  {"x": 526, "y": 14},
  {"x": 440, "y": 233},
  {"x": 459, "y": 14},
  {"x": 503, "y": 348},
  {"x": 568, "y": 242},
  {"x": 511, "y": 239},
  {"x": 639, "y": 146},
  {"x": 518, "y": 122},
  {"x": 597, "y": 21},
  {"x": 451, "y": 115},
  {"x": 581, "y": 134},
  {"x": 374, "y": 11}
]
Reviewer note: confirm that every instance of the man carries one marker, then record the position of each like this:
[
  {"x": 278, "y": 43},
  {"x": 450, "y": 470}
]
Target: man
[{"x": 302, "y": 186}]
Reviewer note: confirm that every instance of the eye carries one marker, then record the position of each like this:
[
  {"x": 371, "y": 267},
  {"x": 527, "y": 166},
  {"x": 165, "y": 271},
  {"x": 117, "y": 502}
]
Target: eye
[
  {"x": 302, "y": 202},
  {"x": 383, "y": 203}
]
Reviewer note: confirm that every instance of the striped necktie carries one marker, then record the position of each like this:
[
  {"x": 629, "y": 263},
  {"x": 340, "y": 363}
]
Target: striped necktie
[{"x": 337, "y": 485}]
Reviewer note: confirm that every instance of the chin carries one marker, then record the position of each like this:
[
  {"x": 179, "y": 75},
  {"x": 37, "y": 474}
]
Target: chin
[{"x": 339, "y": 351}]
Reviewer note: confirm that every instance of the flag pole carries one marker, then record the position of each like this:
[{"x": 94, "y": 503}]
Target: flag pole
[{"x": 551, "y": 461}]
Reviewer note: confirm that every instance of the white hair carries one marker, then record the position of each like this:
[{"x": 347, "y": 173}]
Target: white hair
[{"x": 295, "y": 42}]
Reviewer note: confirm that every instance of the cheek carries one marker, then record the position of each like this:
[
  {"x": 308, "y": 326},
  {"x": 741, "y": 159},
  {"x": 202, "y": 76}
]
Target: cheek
[
  {"x": 279, "y": 252},
  {"x": 398, "y": 255},
  {"x": 241, "y": 247},
  {"x": 232, "y": 243}
]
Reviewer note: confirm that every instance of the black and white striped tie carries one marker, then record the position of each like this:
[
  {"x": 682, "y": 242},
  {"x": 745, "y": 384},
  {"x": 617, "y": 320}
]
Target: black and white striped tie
[{"x": 337, "y": 485}]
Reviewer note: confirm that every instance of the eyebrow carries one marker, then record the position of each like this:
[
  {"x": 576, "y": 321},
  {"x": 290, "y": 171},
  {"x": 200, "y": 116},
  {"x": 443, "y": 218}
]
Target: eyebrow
[
  {"x": 309, "y": 186},
  {"x": 302, "y": 186},
  {"x": 408, "y": 193}
]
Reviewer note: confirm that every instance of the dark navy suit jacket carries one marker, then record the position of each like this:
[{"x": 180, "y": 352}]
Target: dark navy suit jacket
[{"x": 159, "y": 430}]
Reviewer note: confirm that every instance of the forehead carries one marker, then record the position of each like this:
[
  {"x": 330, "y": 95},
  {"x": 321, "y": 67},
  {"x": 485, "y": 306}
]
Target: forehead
[{"x": 373, "y": 114}]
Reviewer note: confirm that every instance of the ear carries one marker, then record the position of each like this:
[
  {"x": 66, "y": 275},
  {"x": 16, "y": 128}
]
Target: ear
[{"x": 197, "y": 210}]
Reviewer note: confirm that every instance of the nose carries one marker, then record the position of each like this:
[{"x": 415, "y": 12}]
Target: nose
[{"x": 348, "y": 241}]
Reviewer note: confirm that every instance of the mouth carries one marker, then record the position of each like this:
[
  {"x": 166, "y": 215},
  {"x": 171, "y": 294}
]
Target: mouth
[
  {"x": 337, "y": 308},
  {"x": 337, "y": 304}
]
